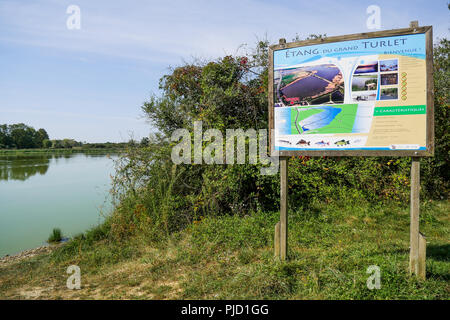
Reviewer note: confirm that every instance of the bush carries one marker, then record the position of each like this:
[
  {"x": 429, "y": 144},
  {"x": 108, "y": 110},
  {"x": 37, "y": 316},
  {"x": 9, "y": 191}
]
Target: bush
[{"x": 156, "y": 197}]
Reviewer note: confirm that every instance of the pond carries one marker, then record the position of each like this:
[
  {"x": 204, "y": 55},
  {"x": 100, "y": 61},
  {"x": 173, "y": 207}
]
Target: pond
[{"x": 41, "y": 192}]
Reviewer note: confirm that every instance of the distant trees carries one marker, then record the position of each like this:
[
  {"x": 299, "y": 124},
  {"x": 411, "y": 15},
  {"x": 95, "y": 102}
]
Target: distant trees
[
  {"x": 64, "y": 144},
  {"x": 46, "y": 143},
  {"x": 41, "y": 135},
  {"x": 5, "y": 138},
  {"x": 105, "y": 145},
  {"x": 21, "y": 136},
  {"x": 144, "y": 142}
]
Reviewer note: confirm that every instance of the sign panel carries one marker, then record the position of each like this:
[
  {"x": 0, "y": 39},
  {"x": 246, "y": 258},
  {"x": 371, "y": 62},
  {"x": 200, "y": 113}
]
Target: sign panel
[{"x": 367, "y": 94}]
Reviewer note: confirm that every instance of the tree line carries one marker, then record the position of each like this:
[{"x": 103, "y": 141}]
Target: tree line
[{"x": 21, "y": 136}]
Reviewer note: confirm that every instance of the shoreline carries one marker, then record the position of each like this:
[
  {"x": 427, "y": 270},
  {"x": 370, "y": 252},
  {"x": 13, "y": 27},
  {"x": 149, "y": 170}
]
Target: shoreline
[{"x": 29, "y": 253}]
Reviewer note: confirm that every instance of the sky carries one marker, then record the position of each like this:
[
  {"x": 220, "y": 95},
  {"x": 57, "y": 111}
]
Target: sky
[{"x": 89, "y": 84}]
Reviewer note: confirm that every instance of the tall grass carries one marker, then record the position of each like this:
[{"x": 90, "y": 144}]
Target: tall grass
[
  {"x": 55, "y": 236},
  {"x": 147, "y": 197}
]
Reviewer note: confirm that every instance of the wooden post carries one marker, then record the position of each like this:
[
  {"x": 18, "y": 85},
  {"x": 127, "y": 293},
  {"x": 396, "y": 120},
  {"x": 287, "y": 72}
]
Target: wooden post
[
  {"x": 414, "y": 211},
  {"x": 281, "y": 228},
  {"x": 418, "y": 242},
  {"x": 414, "y": 24},
  {"x": 421, "y": 264},
  {"x": 283, "y": 207},
  {"x": 276, "y": 240}
]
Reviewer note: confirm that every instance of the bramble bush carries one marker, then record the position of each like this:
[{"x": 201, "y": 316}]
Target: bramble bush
[{"x": 154, "y": 195}]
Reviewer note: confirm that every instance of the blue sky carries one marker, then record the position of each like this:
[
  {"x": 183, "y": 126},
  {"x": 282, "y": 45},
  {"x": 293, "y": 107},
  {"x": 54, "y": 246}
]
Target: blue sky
[{"x": 89, "y": 84}]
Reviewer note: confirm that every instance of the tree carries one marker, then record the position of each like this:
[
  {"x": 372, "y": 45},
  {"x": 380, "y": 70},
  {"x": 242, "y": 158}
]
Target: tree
[
  {"x": 56, "y": 144},
  {"x": 5, "y": 138},
  {"x": 40, "y": 136},
  {"x": 132, "y": 142},
  {"x": 144, "y": 142},
  {"x": 22, "y": 136},
  {"x": 436, "y": 170},
  {"x": 46, "y": 144}
]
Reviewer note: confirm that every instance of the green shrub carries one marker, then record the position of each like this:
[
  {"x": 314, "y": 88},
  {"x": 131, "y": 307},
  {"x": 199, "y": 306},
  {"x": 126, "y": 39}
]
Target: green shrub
[{"x": 155, "y": 197}]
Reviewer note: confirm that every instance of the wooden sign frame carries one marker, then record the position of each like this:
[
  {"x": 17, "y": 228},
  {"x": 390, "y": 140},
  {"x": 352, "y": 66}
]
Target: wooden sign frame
[
  {"x": 417, "y": 255},
  {"x": 427, "y": 30}
]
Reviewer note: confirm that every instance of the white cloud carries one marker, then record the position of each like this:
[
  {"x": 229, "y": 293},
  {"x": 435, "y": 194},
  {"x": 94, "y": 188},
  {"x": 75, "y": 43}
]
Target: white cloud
[
  {"x": 147, "y": 37},
  {"x": 164, "y": 32},
  {"x": 150, "y": 30}
]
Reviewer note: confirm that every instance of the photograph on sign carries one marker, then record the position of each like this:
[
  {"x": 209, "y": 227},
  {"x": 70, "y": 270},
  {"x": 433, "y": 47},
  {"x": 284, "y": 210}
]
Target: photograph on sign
[{"x": 365, "y": 94}]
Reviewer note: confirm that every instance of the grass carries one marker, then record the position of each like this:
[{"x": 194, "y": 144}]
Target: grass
[
  {"x": 231, "y": 257},
  {"x": 55, "y": 236}
]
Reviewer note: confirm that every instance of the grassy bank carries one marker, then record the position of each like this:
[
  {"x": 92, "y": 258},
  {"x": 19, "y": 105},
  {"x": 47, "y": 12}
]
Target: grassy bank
[{"x": 231, "y": 257}]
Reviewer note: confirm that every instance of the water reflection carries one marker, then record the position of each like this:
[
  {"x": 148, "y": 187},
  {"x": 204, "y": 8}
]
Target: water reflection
[
  {"x": 39, "y": 192},
  {"x": 23, "y": 167}
]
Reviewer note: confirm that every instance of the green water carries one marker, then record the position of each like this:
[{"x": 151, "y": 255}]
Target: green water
[{"x": 42, "y": 192}]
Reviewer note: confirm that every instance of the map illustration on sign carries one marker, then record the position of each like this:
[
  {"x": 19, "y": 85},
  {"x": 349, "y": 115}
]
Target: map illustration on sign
[{"x": 351, "y": 95}]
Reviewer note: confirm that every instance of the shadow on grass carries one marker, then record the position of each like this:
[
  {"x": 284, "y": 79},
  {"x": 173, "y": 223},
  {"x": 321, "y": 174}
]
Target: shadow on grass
[
  {"x": 439, "y": 257},
  {"x": 438, "y": 276},
  {"x": 439, "y": 252},
  {"x": 435, "y": 252}
]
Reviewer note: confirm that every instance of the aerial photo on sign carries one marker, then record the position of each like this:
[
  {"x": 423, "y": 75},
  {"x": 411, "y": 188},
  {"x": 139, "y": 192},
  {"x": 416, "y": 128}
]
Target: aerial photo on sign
[{"x": 367, "y": 94}]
